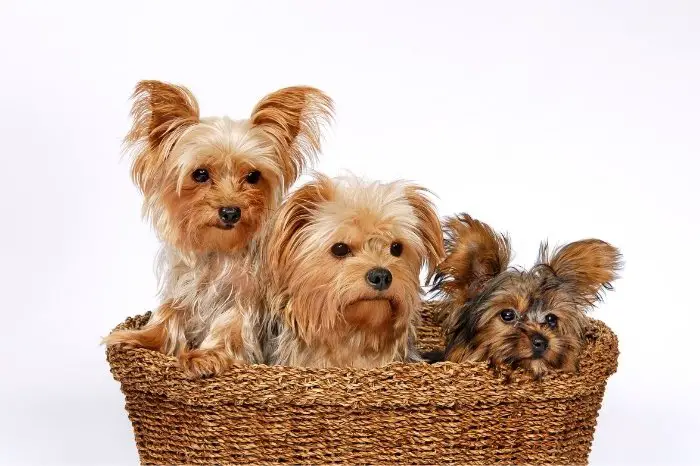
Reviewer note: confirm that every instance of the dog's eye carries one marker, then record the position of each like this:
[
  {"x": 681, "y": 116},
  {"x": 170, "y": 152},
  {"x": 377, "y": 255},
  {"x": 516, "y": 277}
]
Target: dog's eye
[
  {"x": 200, "y": 175},
  {"x": 253, "y": 177},
  {"x": 340, "y": 249},
  {"x": 396, "y": 249},
  {"x": 508, "y": 315},
  {"x": 551, "y": 320}
]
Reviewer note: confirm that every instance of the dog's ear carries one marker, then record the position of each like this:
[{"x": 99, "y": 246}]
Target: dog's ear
[
  {"x": 293, "y": 119},
  {"x": 160, "y": 112},
  {"x": 429, "y": 228},
  {"x": 586, "y": 266},
  {"x": 475, "y": 254},
  {"x": 287, "y": 227}
]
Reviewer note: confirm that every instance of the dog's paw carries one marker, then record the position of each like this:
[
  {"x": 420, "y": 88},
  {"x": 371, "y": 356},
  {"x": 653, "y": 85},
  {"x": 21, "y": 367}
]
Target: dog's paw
[
  {"x": 123, "y": 339},
  {"x": 125, "y": 345},
  {"x": 200, "y": 363}
]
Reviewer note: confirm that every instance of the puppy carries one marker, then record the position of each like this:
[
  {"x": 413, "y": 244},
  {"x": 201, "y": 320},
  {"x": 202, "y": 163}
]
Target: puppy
[
  {"x": 532, "y": 319},
  {"x": 209, "y": 186},
  {"x": 343, "y": 259}
]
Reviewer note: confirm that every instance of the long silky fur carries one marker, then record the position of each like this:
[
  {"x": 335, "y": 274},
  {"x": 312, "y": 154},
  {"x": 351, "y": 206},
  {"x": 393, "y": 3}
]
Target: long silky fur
[
  {"x": 210, "y": 277},
  {"x": 475, "y": 284},
  {"x": 313, "y": 295},
  {"x": 475, "y": 253}
]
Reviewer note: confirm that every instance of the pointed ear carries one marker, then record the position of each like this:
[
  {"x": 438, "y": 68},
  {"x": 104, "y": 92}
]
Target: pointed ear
[
  {"x": 160, "y": 112},
  {"x": 293, "y": 119},
  {"x": 428, "y": 225},
  {"x": 587, "y": 266},
  {"x": 475, "y": 254},
  {"x": 288, "y": 224}
]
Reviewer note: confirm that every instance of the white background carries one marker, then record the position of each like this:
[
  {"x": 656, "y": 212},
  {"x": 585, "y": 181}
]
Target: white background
[{"x": 558, "y": 120}]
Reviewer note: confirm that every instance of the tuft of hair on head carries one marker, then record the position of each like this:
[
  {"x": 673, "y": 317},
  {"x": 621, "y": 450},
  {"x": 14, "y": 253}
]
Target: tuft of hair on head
[
  {"x": 293, "y": 118},
  {"x": 586, "y": 267},
  {"x": 475, "y": 254},
  {"x": 429, "y": 227},
  {"x": 283, "y": 239},
  {"x": 161, "y": 112}
]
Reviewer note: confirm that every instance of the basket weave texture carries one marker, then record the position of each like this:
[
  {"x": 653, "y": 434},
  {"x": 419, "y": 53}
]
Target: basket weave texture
[{"x": 400, "y": 413}]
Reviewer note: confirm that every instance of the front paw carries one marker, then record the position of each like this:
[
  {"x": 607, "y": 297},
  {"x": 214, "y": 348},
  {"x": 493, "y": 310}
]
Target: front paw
[
  {"x": 123, "y": 339},
  {"x": 199, "y": 363}
]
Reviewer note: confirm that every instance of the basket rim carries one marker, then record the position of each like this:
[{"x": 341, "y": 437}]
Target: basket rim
[{"x": 144, "y": 372}]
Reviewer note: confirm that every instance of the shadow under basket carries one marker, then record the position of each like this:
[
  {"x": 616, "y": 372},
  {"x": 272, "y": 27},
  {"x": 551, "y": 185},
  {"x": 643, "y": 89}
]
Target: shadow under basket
[{"x": 400, "y": 413}]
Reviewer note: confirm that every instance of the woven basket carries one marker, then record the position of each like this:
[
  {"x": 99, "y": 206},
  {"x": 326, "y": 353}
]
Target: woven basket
[{"x": 400, "y": 413}]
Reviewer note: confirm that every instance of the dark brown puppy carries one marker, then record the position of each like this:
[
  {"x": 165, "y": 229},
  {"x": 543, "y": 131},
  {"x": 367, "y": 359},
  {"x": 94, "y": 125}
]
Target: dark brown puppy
[{"x": 531, "y": 319}]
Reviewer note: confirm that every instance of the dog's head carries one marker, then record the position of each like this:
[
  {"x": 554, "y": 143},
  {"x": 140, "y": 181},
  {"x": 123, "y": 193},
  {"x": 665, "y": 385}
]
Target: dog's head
[
  {"x": 345, "y": 255},
  {"x": 533, "y": 319},
  {"x": 210, "y": 183}
]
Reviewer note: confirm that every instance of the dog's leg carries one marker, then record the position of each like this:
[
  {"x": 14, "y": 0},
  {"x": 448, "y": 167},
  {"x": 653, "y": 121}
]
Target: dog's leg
[
  {"x": 164, "y": 332},
  {"x": 223, "y": 347}
]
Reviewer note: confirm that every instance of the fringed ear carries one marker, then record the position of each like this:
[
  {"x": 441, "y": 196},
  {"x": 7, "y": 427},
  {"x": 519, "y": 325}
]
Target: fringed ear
[
  {"x": 160, "y": 112},
  {"x": 293, "y": 118},
  {"x": 586, "y": 266},
  {"x": 475, "y": 254},
  {"x": 288, "y": 224},
  {"x": 428, "y": 225}
]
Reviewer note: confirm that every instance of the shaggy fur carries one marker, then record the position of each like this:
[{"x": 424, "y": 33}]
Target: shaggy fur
[
  {"x": 323, "y": 310},
  {"x": 209, "y": 186},
  {"x": 532, "y": 319}
]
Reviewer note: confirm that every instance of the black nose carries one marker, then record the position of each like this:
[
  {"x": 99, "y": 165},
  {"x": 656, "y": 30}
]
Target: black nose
[
  {"x": 539, "y": 344},
  {"x": 379, "y": 279},
  {"x": 229, "y": 215}
]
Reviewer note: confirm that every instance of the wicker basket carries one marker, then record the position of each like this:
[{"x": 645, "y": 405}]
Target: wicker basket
[{"x": 401, "y": 413}]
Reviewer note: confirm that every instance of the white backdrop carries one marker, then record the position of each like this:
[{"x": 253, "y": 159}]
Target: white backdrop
[{"x": 558, "y": 120}]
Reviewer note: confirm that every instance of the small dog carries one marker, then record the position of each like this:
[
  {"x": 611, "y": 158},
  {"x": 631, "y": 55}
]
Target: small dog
[
  {"x": 529, "y": 319},
  {"x": 209, "y": 186},
  {"x": 343, "y": 257}
]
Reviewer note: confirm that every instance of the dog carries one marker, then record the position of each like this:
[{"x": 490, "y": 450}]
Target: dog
[
  {"x": 512, "y": 318},
  {"x": 209, "y": 186},
  {"x": 343, "y": 257}
]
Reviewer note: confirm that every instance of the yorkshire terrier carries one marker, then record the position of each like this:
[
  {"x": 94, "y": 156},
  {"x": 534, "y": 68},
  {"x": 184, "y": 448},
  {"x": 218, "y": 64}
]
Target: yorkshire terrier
[
  {"x": 343, "y": 257},
  {"x": 512, "y": 318},
  {"x": 209, "y": 186}
]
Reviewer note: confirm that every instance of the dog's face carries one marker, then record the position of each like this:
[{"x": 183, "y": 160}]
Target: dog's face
[
  {"x": 210, "y": 183},
  {"x": 522, "y": 319},
  {"x": 221, "y": 181},
  {"x": 346, "y": 255},
  {"x": 530, "y": 319}
]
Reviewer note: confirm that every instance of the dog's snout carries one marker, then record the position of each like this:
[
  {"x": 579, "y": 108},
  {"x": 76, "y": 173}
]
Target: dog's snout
[
  {"x": 230, "y": 215},
  {"x": 539, "y": 344},
  {"x": 379, "y": 278}
]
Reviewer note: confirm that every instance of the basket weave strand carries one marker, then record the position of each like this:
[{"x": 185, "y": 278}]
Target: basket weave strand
[{"x": 400, "y": 413}]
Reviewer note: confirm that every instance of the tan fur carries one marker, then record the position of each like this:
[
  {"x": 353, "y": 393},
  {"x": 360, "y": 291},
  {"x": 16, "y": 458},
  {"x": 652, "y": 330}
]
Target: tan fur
[
  {"x": 292, "y": 118},
  {"x": 587, "y": 265},
  {"x": 155, "y": 335},
  {"x": 324, "y": 313},
  {"x": 475, "y": 254},
  {"x": 428, "y": 224},
  {"x": 160, "y": 113},
  {"x": 477, "y": 286},
  {"x": 209, "y": 270}
]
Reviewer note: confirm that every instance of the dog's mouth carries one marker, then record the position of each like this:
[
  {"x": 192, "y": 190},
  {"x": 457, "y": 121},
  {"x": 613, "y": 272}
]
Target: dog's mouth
[
  {"x": 222, "y": 226},
  {"x": 377, "y": 300},
  {"x": 371, "y": 314},
  {"x": 527, "y": 361}
]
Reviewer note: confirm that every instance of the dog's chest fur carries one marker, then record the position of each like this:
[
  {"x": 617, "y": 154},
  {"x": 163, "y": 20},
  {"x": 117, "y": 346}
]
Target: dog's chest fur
[
  {"x": 350, "y": 353},
  {"x": 204, "y": 286},
  {"x": 348, "y": 348}
]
